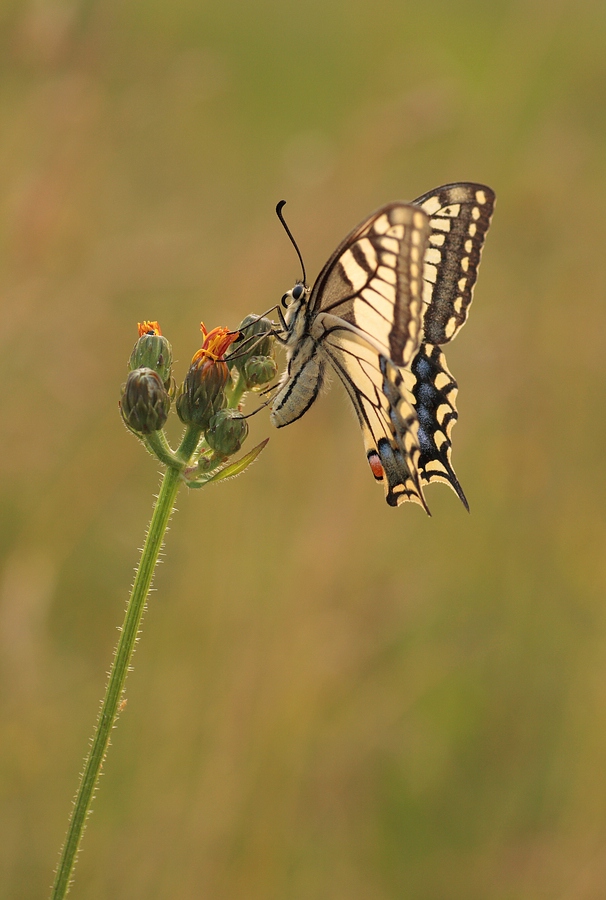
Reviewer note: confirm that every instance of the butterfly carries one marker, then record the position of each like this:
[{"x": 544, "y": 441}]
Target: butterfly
[{"x": 396, "y": 289}]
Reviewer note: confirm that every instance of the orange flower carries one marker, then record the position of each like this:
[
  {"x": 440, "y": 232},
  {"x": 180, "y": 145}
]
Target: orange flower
[
  {"x": 203, "y": 394},
  {"x": 148, "y": 328},
  {"x": 214, "y": 345}
]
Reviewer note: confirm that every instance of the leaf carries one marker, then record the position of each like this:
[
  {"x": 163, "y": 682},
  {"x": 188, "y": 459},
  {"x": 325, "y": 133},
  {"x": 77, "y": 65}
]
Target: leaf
[{"x": 239, "y": 466}]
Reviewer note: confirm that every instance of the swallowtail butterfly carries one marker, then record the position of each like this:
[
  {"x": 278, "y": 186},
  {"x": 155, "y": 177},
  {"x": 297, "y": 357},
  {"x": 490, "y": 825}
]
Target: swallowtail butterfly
[{"x": 392, "y": 294}]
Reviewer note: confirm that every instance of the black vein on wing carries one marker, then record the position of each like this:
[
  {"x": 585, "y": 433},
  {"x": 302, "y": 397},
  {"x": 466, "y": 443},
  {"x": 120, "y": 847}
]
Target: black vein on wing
[{"x": 403, "y": 471}]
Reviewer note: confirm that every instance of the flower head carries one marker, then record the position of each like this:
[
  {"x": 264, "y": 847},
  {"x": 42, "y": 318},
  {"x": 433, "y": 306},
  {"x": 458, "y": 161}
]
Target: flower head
[
  {"x": 255, "y": 339},
  {"x": 145, "y": 401},
  {"x": 215, "y": 343},
  {"x": 152, "y": 351},
  {"x": 227, "y": 431},
  {"x": 253, "y": 354},
  {"x": 148, "y": 328},
  {"x": 203, "y": 394}
]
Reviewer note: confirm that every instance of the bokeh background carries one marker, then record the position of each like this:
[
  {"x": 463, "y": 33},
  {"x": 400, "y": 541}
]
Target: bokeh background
[{"x": 332, "y": 699}]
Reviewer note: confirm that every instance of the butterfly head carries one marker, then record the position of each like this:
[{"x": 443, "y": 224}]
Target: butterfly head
[
  {"x": 295, "y": 304},
  {"x": 297, "y": 295}
]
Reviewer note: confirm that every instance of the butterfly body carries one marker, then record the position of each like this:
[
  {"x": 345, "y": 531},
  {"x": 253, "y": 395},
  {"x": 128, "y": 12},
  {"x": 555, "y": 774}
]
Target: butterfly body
[
  {"x": 396, "y": 289},
  {"x": 302, "y": 380}
]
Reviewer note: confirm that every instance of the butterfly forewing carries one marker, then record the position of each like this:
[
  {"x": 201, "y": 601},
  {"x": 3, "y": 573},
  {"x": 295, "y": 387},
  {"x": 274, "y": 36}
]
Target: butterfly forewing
[
  {"x": 374, "y": 280},
  {"x": 459, "y": 216}
]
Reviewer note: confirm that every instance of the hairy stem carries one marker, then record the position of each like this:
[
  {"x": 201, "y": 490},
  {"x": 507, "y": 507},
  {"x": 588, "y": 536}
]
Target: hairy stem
[
  {"x": 117, "y": 678},
  {"x": 237, "y": 391},
  {"x": 158, "y": 445}
]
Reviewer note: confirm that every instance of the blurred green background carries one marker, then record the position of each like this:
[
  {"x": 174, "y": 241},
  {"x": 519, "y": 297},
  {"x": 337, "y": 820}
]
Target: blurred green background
[{"x": 333, "y": 700}]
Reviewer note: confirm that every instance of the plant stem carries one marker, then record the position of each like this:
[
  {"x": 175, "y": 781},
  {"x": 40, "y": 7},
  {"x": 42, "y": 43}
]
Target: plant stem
[
  {"x": 115, "y": 686},
  {"x": 237, "y": 391},
  {"x": 158, "y": 445},
  {"x": 189, "y": 443}
]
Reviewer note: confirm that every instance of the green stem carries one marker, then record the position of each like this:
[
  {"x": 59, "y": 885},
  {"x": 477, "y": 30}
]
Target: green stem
[
  {"x": 115, "y": 686},
  {"x": 236, "y": 392},
  {"x": 158, "y": 445},
  {"x": 189, "y": 443}
]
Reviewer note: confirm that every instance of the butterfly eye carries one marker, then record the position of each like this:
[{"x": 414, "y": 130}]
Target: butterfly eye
[{"x": 298, "y": 291}]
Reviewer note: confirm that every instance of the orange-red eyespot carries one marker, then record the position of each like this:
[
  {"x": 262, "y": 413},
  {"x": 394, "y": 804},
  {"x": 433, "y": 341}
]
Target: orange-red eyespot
[{"x": 375, "y": 466}]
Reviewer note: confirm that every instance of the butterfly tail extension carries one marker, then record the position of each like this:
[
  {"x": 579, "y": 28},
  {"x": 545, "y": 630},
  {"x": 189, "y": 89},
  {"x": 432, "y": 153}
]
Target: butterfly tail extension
[{"x": 435, "y": 391}]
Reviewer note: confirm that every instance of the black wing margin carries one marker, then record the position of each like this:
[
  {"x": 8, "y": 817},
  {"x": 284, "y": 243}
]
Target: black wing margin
[
  {"x": 434, "y": 391},
  {"x": 459, "y": 217}
]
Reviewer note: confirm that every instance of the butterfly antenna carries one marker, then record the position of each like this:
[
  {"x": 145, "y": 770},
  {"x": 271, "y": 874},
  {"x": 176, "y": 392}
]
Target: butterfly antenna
[{"x": 279, "y": 209}]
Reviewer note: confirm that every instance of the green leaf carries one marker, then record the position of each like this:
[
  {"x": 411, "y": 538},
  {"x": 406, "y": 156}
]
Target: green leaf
[{"x": 240, "y": 465}]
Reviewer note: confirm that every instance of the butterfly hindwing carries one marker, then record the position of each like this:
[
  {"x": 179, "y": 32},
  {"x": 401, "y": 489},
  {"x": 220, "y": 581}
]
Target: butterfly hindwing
[
  {"x": 434, "y": 391},
  {"x": 385, "y": 412},
  {"x": 459, "y": 217},
  {"x": 373, "y": 280}
]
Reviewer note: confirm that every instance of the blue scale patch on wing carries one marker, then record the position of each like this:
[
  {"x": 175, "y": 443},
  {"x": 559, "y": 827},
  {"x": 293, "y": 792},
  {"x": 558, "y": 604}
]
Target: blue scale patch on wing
[
  {"x": 401, "y": 477},
  {"x": 385, "y": 412}
]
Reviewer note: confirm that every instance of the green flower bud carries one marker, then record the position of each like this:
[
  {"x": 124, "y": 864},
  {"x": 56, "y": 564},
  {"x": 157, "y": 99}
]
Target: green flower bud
[
  {"x": 153, "y": 351},
  {"x": 145, "y": 402},
  {"x": 259, "y": 370},
  {"x": 255, "y": 340},
  {"x": 202, "y": 394},
  {"x": 226, "y": 432}
]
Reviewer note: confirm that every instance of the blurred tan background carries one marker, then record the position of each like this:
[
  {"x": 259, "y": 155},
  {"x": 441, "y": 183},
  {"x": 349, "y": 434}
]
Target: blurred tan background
[{"x": 332, "y": 700}]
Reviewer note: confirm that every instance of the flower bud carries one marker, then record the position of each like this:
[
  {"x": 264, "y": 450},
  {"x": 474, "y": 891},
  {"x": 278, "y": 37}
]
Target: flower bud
[
  {"x": 259, "y": 370},
  {"x": 255, "y": 340},
  {"x": 145, "y": 402},
  {"x": 226, "y": 432},
  {"x": 153, "y": 351},
  {"x": 202, "y": 394}
]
